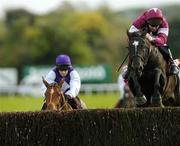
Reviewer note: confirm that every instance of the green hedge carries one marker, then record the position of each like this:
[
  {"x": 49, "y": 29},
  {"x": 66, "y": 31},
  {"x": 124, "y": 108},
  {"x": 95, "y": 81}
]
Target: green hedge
[{"x": 100, "y": 127}]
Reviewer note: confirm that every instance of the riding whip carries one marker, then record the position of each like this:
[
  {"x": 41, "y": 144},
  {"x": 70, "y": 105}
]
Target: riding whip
[{"x": 122, "y": 62}]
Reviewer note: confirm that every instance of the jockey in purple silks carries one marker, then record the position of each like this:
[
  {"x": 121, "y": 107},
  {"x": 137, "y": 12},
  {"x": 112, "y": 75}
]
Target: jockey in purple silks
[
  {"x": 158, "y": 28},
  {"x": 72, "y": 83}
]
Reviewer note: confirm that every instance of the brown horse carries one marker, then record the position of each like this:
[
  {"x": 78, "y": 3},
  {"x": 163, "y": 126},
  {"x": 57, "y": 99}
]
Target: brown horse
[
  {"x": 54, "y": 98},
  {"x": 148, "y": 79}
]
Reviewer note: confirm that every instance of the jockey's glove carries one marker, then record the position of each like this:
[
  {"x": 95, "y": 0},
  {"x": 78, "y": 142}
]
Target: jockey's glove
[
  {"x": 149, "y": 37},
  {"x": 67, "y": 97}
]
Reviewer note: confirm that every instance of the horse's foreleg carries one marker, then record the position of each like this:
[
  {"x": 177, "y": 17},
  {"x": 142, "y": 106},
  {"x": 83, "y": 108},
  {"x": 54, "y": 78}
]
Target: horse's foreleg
[
  {"x": 140, "y": 99},
  {"x": 156, "y": 97}
]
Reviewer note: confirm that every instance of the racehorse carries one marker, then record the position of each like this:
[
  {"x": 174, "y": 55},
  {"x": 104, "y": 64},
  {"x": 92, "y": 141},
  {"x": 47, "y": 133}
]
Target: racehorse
[
  {"x": 148, "y": 79},
  {"x": 55, "y": 99}
]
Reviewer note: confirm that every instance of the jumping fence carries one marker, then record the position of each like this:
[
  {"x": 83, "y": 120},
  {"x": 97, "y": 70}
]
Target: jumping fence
[{"x": 93, "y": 127}]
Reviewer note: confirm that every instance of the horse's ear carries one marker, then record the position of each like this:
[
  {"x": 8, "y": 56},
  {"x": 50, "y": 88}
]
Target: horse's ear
[
  {"x": 45, "y": 82},
  {"x": 61, "y": 82}
]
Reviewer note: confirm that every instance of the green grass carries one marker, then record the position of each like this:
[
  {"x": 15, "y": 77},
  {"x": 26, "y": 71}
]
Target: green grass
[
  {"x": 15, "y": 103},
  {"x": 100, "y": 100}
]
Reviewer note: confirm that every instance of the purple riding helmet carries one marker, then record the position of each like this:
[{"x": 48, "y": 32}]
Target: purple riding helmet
[{"x": 63, "y": 61}]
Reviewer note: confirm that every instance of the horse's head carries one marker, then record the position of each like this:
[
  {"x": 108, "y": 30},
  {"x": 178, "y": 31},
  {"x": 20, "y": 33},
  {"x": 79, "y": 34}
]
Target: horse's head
[
  {"x": 139, "y": 50},
  {"x": 54, "y": 98}
]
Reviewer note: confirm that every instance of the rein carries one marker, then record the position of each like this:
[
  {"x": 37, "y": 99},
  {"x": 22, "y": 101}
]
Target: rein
[{"x": 65, "y": 103}]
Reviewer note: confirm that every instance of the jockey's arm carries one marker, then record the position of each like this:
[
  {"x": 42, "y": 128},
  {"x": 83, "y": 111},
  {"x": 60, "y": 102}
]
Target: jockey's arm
[
  {"x": 50, "y": 77},
  {"x": 162, "y": 34},
  {"x": 148, "y": 36},
  {"x": 160, "y": 39},
  {"x": 137, "y": 24},
  {"x": 133, "y": 29},
  {"x": 75, "y": 84}
]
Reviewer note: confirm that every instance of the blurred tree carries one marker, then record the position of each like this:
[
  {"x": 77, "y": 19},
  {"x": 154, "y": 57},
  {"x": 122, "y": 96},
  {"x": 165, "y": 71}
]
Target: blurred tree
[
  {"x": 3, "y": 33},
  {"x": 104, "y": 36},
  {"x": 89, "y": 37},
  {"x": 15, "y": 47},
  {"x": 92, "y": 36},
  {"x": 13, "y": 15},
  {"x": 174, "y": 35}
]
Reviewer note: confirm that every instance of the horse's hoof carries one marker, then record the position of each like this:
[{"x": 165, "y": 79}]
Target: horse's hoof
[
  {"x": 141, "y": 100},
  {"x": 156, "y": 101},
  {"x": 157, "y": 105},
  {"x": 161, "y": 105}
]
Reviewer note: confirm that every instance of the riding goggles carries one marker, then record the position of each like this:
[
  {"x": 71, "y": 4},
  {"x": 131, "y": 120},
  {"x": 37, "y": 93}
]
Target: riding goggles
[
  {"x": 154, "y": 22},
  {"x": 62, "y": 67}
]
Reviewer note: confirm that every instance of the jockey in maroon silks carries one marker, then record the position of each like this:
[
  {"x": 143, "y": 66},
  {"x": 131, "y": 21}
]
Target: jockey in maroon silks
[{"x": 158, "y": 28}]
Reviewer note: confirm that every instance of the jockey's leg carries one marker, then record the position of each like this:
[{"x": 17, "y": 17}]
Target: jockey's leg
[
  {"x": 75, "y": 103},
  {"x": 174, "y": 70},
  {"x": 166, "y": 52}
]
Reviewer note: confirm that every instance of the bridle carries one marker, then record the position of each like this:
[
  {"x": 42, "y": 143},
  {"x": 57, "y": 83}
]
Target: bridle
[
  {"x": 135, "y": 55},
  {"x": 50, "y": 97}
]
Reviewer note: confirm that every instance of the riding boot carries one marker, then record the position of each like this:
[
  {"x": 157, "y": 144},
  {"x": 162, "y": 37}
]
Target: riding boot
[
  {"x": 44, "y": 106},
  {"x": 165, "y": 51},
  {"x": 173, "y": 69}
]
